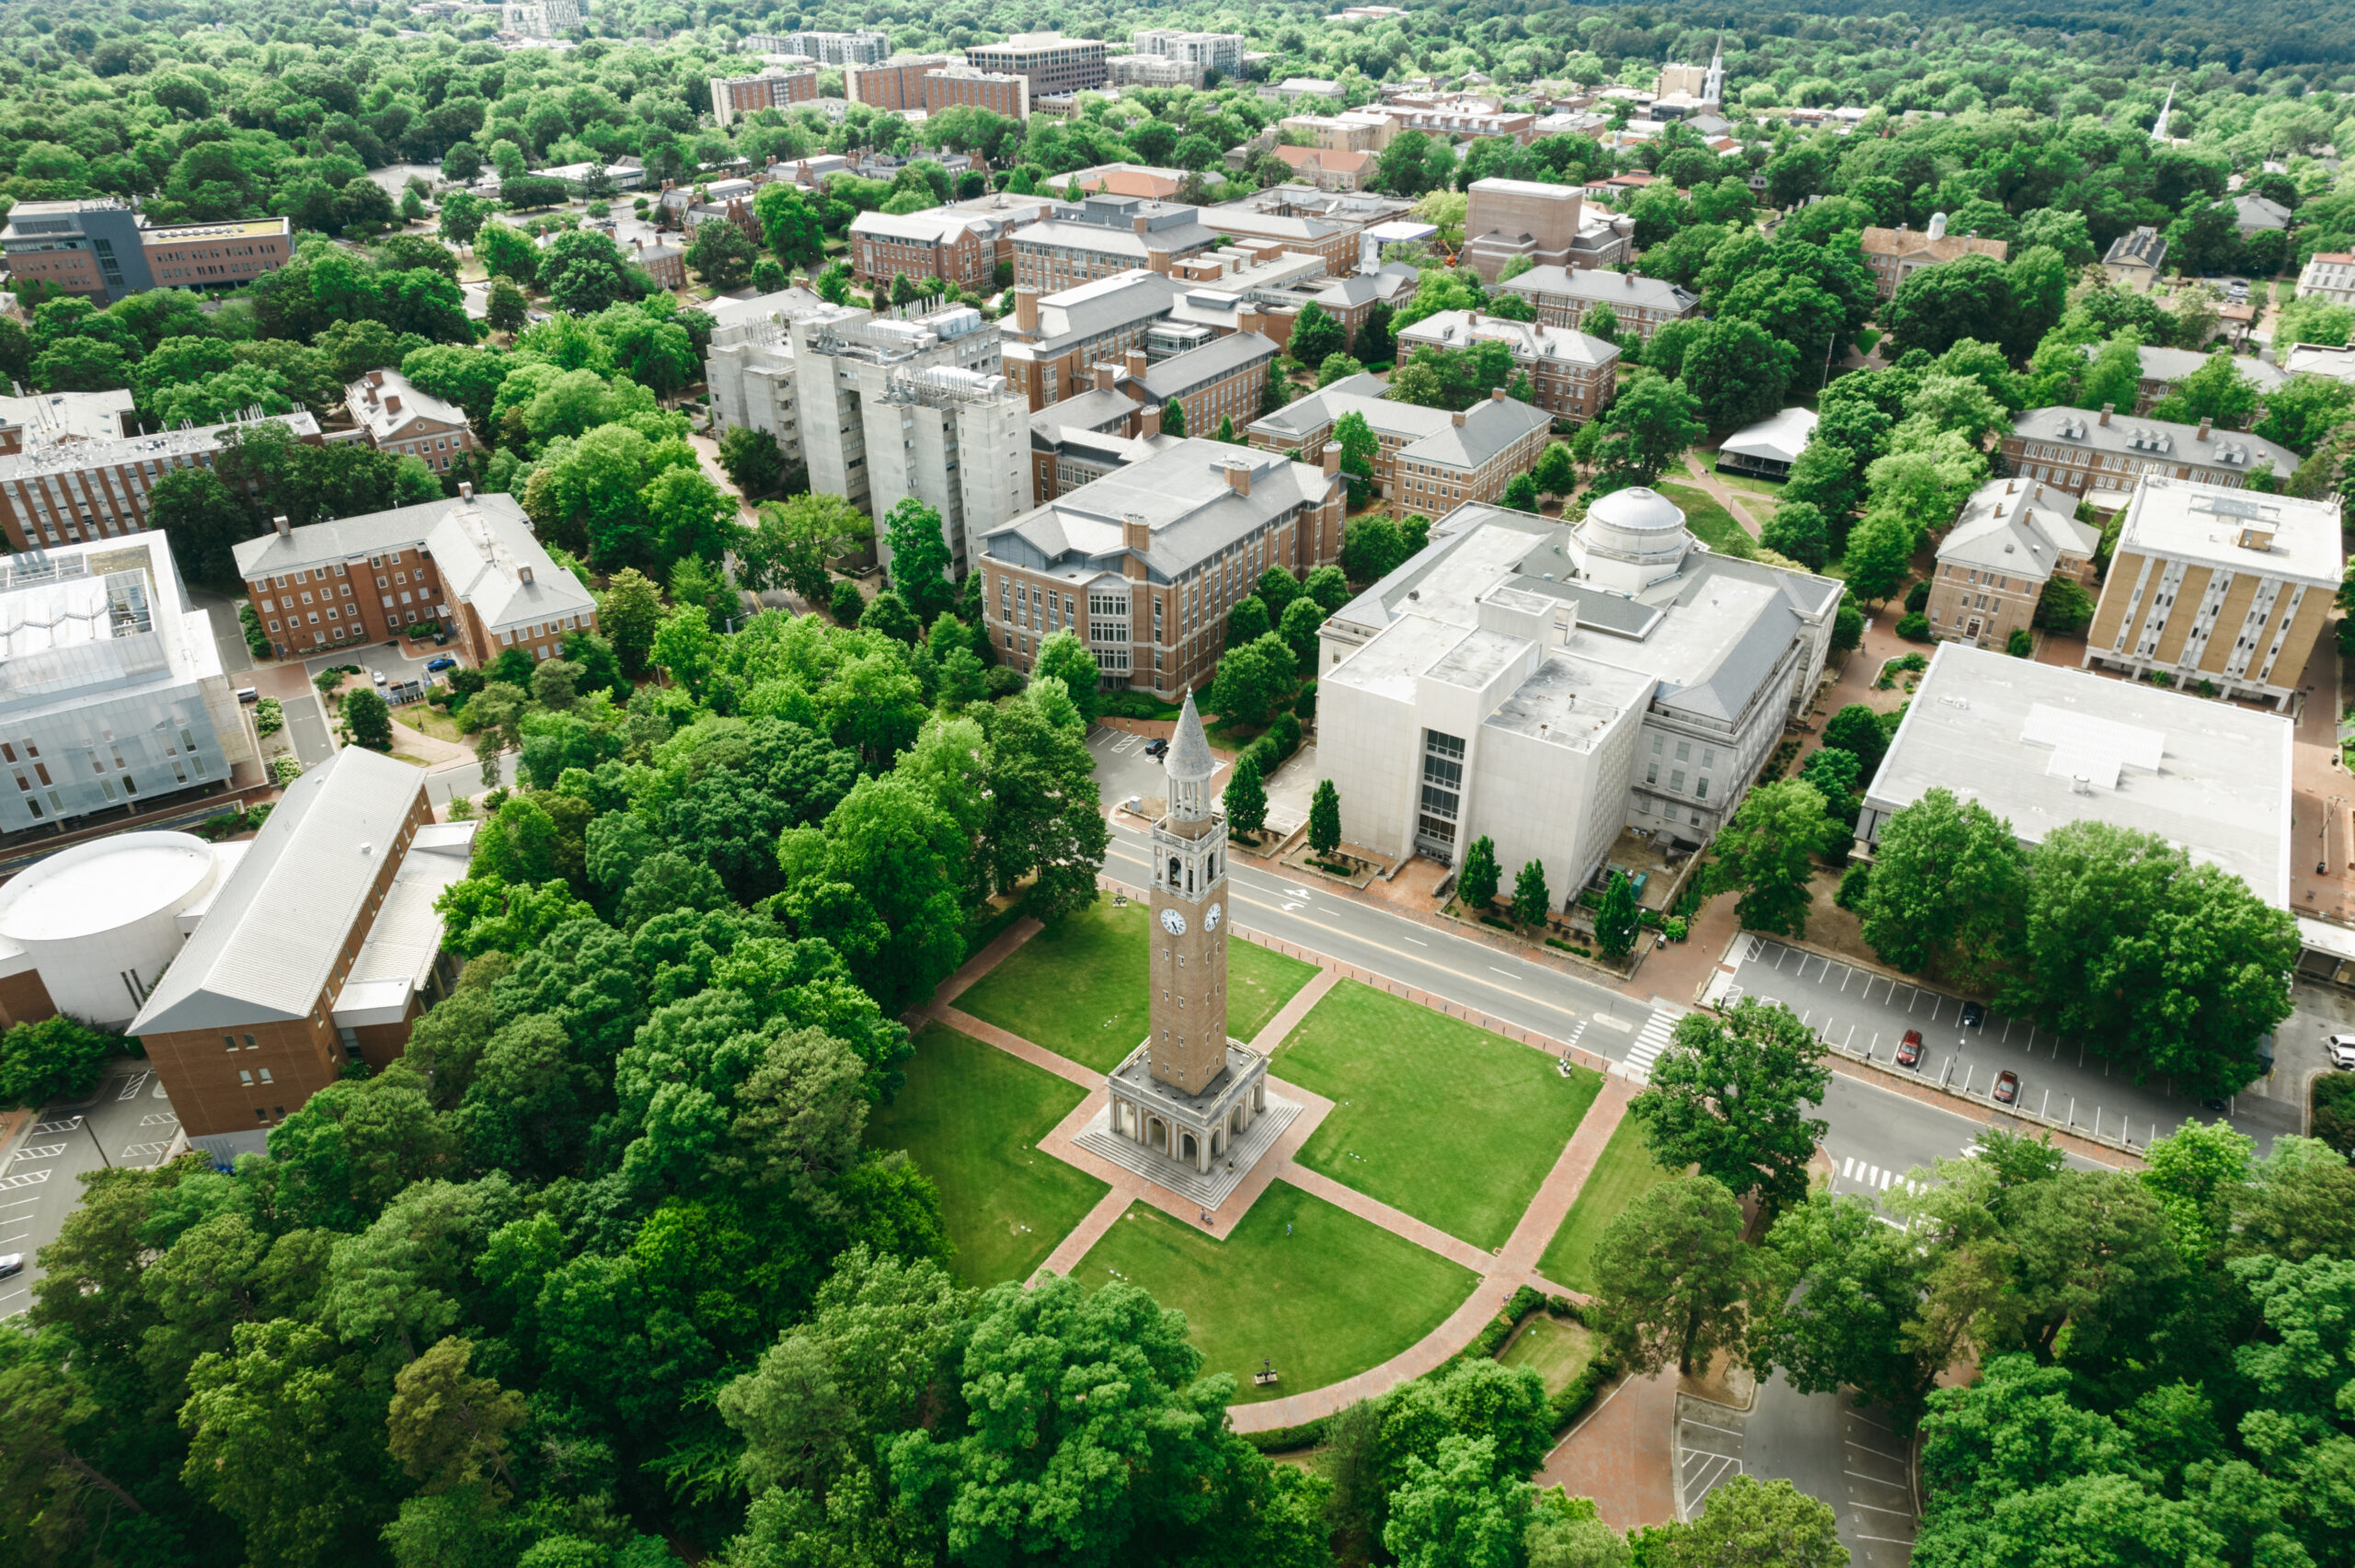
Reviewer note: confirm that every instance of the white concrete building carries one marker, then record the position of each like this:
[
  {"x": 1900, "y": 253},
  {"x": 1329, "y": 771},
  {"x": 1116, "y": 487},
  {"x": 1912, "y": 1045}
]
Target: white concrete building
[
  {"x": 882, "y": 410},
  {"x": 1193, "y": 54},
  {"x": 1545, "y": 686},
  {"x": 2329, "y": 274},
  {"x": 98, "y": 923},
  {"x": 111, "y": 690}
]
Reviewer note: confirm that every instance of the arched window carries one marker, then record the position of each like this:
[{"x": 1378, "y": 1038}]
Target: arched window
[{"x": 1173, "y": 870}]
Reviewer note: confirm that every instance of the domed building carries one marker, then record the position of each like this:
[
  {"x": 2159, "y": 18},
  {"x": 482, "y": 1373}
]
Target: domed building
[{"x": 1552, "y": 685}]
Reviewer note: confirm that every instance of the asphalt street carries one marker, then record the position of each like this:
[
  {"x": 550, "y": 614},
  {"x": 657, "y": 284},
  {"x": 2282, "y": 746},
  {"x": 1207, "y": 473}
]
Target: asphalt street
[
  {"x": 126, "y": 1122},
  {"x": 2058, "y": 1078}
]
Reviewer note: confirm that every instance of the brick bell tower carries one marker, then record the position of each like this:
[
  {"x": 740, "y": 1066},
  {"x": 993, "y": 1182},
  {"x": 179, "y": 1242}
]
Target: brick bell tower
[{"x": 1189, "y": 968}]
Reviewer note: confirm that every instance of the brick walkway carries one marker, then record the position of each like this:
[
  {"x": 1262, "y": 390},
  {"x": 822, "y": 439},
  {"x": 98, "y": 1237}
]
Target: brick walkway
[{"x": 1621, "y": 1454}]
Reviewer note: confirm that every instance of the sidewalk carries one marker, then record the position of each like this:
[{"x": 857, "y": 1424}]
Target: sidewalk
[{"x": 1622, "y": 1455}]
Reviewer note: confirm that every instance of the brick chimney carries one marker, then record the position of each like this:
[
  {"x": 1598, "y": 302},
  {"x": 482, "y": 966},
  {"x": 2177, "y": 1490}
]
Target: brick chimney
[
  {"x": 2203, "y": 431},
  {"x": 466, "y": 491},
  {"x": 2107, "y": 410},
  {"x": 1476, "y": 318},
  {"x": 1135, "y": 532},
  {"x": 1138, "y": 361},
  {"x": 1149, "y": 422},
  {"x": 1250, "y": 318},
  {"x": 1496, "y": 394},
  {"x": 1026, "y": 310},
  {"x": 1238, "y": 474},
  {"x": 1458, "y": 418},
  {"x": 523, "y": 576},
  {"x": 1138, "y": 220},
  {"x": 393, "y": 404},
  {"x": 1332, "y": 461},
  {"x": 1104, "y": 374}
]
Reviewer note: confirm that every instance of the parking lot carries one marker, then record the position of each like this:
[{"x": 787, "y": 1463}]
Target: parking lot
[
  {"x": 1869, "y": 1013},
  {"x": 1825, "y": 1445}
]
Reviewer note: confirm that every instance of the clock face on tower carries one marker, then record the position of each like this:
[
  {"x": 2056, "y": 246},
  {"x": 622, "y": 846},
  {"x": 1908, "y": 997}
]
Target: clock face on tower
[
  {"x": 1210, "y": 922},
  {"x": 1173, "y": 922}
]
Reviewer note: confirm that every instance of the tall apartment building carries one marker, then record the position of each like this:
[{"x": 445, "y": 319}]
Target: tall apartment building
[
  {"x": 894, "y": 86},
  {"x": 1895, "y": 254},
  {"x": 396, "y": 416},
  {"x": 776, "y": 88},
  {"x": 58, "y": 488},
  {"x": 1141, "y": 71},
  {"x": 1196, "y": 53},
  {"x": 1563, "y": 296},
  {"x": 829, "y": 49},
  {"x": 321, "y": 948},
  {"x": 1426, "y": 460},
  {"x": 471, "y": 563},
  {"x": 1000, "y": 92},
  {"x": 1145, "y": 563},
  {"x": 540, "y": 18},
  {"x": 1572, "y": 375},
  {"x": 103, "y": 250},
  {"x": 1104, "y": 234},
  {"x": 2218, "y": 585},
  {"x": 2082, "y": 452},
  {"x": 111, "y": 690},
  {"x": 881, "y": 410},
  {"x": 1054, "y": 63}
]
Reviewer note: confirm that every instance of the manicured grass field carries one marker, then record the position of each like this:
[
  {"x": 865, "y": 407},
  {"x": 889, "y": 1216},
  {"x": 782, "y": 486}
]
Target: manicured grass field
[
  {"x": 1621, "y": 1176},
  {"x": 1710, "y": 522},
  {"x": 1749, "y": 482},
  {"x": 970, "y": 1118},
  {"x": 1079, "y": 989},
  {"x": 1449, "y": 1123},
  {"x": 1312, "y": 1287},
  {"x": 1556, "y": 1349}
]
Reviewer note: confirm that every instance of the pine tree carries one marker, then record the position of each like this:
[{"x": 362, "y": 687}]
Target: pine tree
[
  {"x": 1530, "y": 897},
  {"x": 1247, "y": 799},
  {"x": 1616, "y": 918},
  {"x": 1476, "y": 883},
  {"x": 1324, "y": 819},
  {"x": 1173, "y": 418}
]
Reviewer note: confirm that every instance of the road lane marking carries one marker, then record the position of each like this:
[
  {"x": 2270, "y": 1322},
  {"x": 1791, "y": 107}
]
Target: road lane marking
[{"x": 1417, "y": 943}]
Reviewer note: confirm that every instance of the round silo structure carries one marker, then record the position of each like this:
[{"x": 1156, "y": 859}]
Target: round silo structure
[{"x": 101, "y": 920}]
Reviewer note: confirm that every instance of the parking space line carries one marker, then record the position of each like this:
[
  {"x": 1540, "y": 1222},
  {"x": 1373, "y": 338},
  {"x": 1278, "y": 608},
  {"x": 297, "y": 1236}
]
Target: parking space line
[
  {"x": 1901, "y": 1513},
  {"x": 1877, "y": 1480},
  {"x": 1706, "y": 1427}
]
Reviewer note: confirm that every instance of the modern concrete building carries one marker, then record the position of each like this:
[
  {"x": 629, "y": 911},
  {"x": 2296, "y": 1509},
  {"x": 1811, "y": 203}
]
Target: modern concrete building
[
  {"x": 540, "y": 18},
  {"x": 2083, "y": 452},
  {"x": 1426, "y": 460},
  {"x": 470, "y": 563},
  {"x": 2043, "y": 746},
  {"x": 320, "y": 949},
  {"x": 1081, "y": 242},
  {"x": 102, "y": 250},
  {"x": 1193, "y": 54},
  {"x": 1550, "y": 685},
  {"x": 2135, "y": 260},
  {"x": 2216, "y": 584},
  {"x": 1895, "y": 254},
  {"x": 1642, "y": 306},
  {"x": 1146, "y": 562},
  {"x": 394, "y": 417},
  {"x": 57, "y": 487},
  {"x": 89, "y": 929},
  {"x": 1052, "y": 62},
  {"x": 111, "y": 690},
  {"x": 882, "y": 410},
  {"x": 1573, "y": 376},
  {"x": 776, "y": 88},
  {"x": 2013, "y": 536},
  {"x": 2329, "y": 274},
  {"x": 829, "y": 49}
]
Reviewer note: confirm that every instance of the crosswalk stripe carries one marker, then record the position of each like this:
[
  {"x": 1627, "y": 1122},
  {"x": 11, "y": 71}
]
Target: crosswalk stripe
[
  {"x": 1657, "y": 1031},
  {"x": 1848, "y": 1168}
]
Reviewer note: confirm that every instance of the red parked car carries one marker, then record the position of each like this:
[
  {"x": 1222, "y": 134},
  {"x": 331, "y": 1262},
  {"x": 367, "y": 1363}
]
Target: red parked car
[
  {"x": 1908, "y": 1050},
  {"x": 2007, "y": 1088}
]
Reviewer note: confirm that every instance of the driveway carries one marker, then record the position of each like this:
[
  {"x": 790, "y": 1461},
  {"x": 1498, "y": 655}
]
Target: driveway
[
  {"x": 127, "y": 1121},
  {"x": 229, "y": 636},
  {"x": 1824, "y": 1445},
  {"x": 1864, "y": 1011}
]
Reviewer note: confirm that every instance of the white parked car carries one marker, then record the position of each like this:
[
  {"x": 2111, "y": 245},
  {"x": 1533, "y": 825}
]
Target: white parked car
[{"x": 2342, "y": 1052}]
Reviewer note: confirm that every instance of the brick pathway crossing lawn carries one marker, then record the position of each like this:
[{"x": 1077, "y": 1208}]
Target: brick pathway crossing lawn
[
  {"x": 1079, "y": 989},
  {"x": 1451, "y": 1124},
  {"x": 1621, "y": 1176},
  {"x": 1556, "y": 1349},
  {"x": 969, "y": 1118},
  {"x": 1334, "y": 1298}
]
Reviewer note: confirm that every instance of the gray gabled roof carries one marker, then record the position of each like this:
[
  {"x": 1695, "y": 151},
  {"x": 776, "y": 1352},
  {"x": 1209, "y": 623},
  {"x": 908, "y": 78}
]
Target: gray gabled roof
[
  {"x": 264, "y": 952},
  {"x": 1219, "y": 356},
  {"x": 2018, "y": 528},
  {"x": 1598, "y": 287}
]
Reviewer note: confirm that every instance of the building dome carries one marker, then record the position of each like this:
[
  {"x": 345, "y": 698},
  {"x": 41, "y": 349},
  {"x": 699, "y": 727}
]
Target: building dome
[
  {"x": 1639, "y": 512},
  {"x": 1633, "y": 538}
]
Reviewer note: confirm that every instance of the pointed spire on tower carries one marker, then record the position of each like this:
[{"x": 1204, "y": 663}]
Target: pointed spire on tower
[
  {"x": 1713, "y": 85},
  {"x": 1189, "y": 749},
  {"x": 2159, "y": 128}
]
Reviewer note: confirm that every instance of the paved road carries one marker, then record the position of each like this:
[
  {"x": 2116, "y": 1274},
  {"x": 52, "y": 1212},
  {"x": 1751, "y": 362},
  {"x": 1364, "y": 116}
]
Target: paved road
[
  {"x": 126, "y": 1122},
  {"x": 2058, "y": 1077},
  {"x": 227, "y": 633}
]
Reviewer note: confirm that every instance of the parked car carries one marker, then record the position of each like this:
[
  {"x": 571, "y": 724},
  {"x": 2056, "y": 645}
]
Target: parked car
[
  {"x": 440, "y": 662},
  {"x": 378, "y": 676},
  {"x": 1908, "y": 1050},
  {"x": 2342, "y": 1052},
  {"x": 11, "y": 1263},
  {"x": 2007, "y": 1088},
  {"x": 249, "y": 693},
  {"x": 1156, "y": 749},
  {"x": 1973, "y": 1015}
]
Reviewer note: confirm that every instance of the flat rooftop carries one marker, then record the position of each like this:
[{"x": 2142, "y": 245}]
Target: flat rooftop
[
  {"x": 2240, "y": 531},
  {"x": 2043, "y": 746},
  {"x": 1569, "y": 701}
]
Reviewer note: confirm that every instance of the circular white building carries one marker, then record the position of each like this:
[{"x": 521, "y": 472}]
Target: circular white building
[
  {"x": 100, "y": 921},
  {"x": 1633, "y": 538}
]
